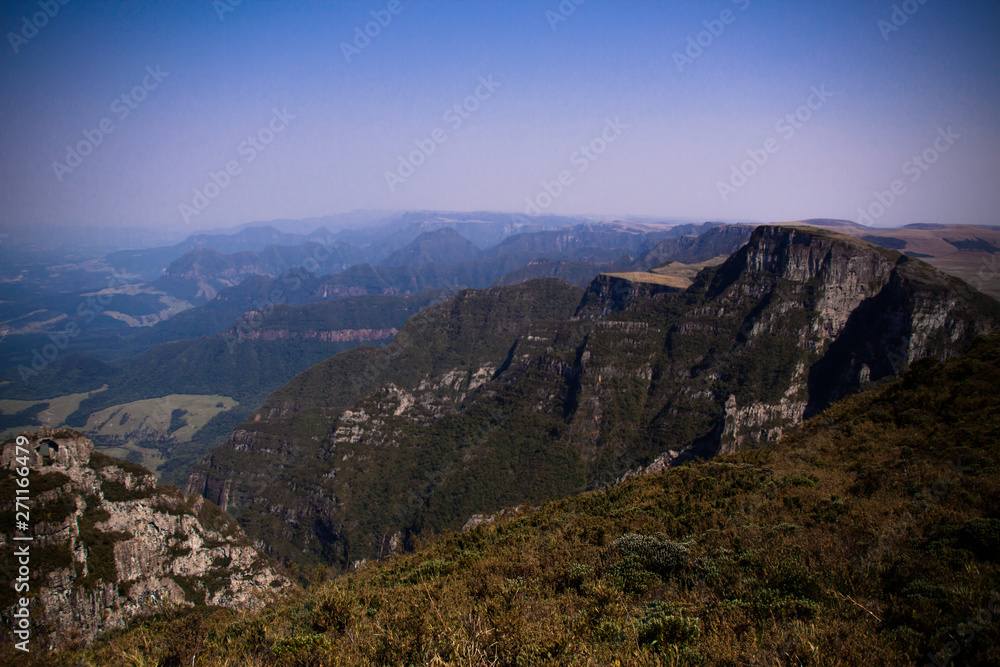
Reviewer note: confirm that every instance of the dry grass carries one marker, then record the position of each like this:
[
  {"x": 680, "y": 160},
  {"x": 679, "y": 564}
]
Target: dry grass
[{"x": 654, "y": 278}]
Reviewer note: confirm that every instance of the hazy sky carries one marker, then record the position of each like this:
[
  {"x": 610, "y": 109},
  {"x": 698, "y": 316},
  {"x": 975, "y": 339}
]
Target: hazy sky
[{"x": 665, "y": 121}]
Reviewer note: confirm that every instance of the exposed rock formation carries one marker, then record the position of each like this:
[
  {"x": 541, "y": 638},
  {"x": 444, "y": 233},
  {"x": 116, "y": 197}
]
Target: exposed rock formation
[{"x": 110, "y": 545}]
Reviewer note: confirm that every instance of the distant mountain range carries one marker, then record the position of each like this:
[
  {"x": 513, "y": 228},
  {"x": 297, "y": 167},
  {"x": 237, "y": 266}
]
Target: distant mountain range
[
  {"x": 151, "y": 263},
  {"x": 258, "y": 351},
  {"x": 213, "y": 280}
]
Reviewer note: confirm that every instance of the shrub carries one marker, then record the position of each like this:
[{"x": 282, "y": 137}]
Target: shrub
[
  {"x": 661, "y": 625},
  {"x": 982, "y": 537},
  {"x": 643, "y": 558},
  {"x": 577, "y": 574},
  {"x": 100, "y": 547},
  {"x": 301, "y": 649},
  {"x": 116, "y": 492},
  {"x": 332, "y": 611}
]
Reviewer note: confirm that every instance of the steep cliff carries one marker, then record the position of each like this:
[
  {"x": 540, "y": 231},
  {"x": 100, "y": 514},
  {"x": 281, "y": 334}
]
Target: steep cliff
[
  {"x": 445, "y": 354},
  {"x": 451, "y": 420},
  {"x": 109, "y": 545},
  {"x": 800, "y": 318}
]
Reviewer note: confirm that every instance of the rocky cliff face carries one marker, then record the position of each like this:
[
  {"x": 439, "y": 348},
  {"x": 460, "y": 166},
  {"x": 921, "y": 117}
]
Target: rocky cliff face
[
  {"x": 466, "y": 413},
  {"x": 609, "y": 294},
  {"x": 800, "y": 318},
  {"x": 440, "y": 356},
  {"x": 109, "y": 545}
]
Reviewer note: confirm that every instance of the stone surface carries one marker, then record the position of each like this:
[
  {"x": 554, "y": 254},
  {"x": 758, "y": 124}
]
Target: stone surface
[{"x": 111, "y": 545}]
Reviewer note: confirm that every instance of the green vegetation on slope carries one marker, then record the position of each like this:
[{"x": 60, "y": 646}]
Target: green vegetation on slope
[
  {"x": 868, "y": 536},
  {"x": 364, "y": 451},
  {"x": 472, "y": 332}
]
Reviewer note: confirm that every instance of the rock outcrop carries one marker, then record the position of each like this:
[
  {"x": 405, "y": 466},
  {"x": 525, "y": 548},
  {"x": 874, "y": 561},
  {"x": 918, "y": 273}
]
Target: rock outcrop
[{"x": 109, "y": 545}]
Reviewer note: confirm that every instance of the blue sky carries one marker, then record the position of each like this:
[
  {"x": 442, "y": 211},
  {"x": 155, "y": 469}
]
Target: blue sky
[{"x": 682, "y": 127}]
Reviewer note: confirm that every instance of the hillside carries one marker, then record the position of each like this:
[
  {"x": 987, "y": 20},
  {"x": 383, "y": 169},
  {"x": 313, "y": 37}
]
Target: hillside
[
  {"x": 484, "y": 229},
  {"x": 969, "y": 252},
  {"x": 367, "y": 279},
  {"x": 700, "y": 245},
  {"x": 490, "y": 400},
  {"x": 119, "y": 316},
  {"x": 460, "y": 343},
  {"x": 869, "y": 535},
  {"x": 579, "y": 274},
  {"x": 415, "y": 257},
  {"x": 589, "y": 242}
]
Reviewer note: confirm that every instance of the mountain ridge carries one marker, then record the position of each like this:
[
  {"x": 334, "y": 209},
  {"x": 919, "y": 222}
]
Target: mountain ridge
[
  {"x": 662, "y": 377},
  {"x": 442, "y": 246}
]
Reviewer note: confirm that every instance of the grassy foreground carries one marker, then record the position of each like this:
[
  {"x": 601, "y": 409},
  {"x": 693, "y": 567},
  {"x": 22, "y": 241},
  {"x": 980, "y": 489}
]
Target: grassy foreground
[{"x": 870, "y": 536}]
